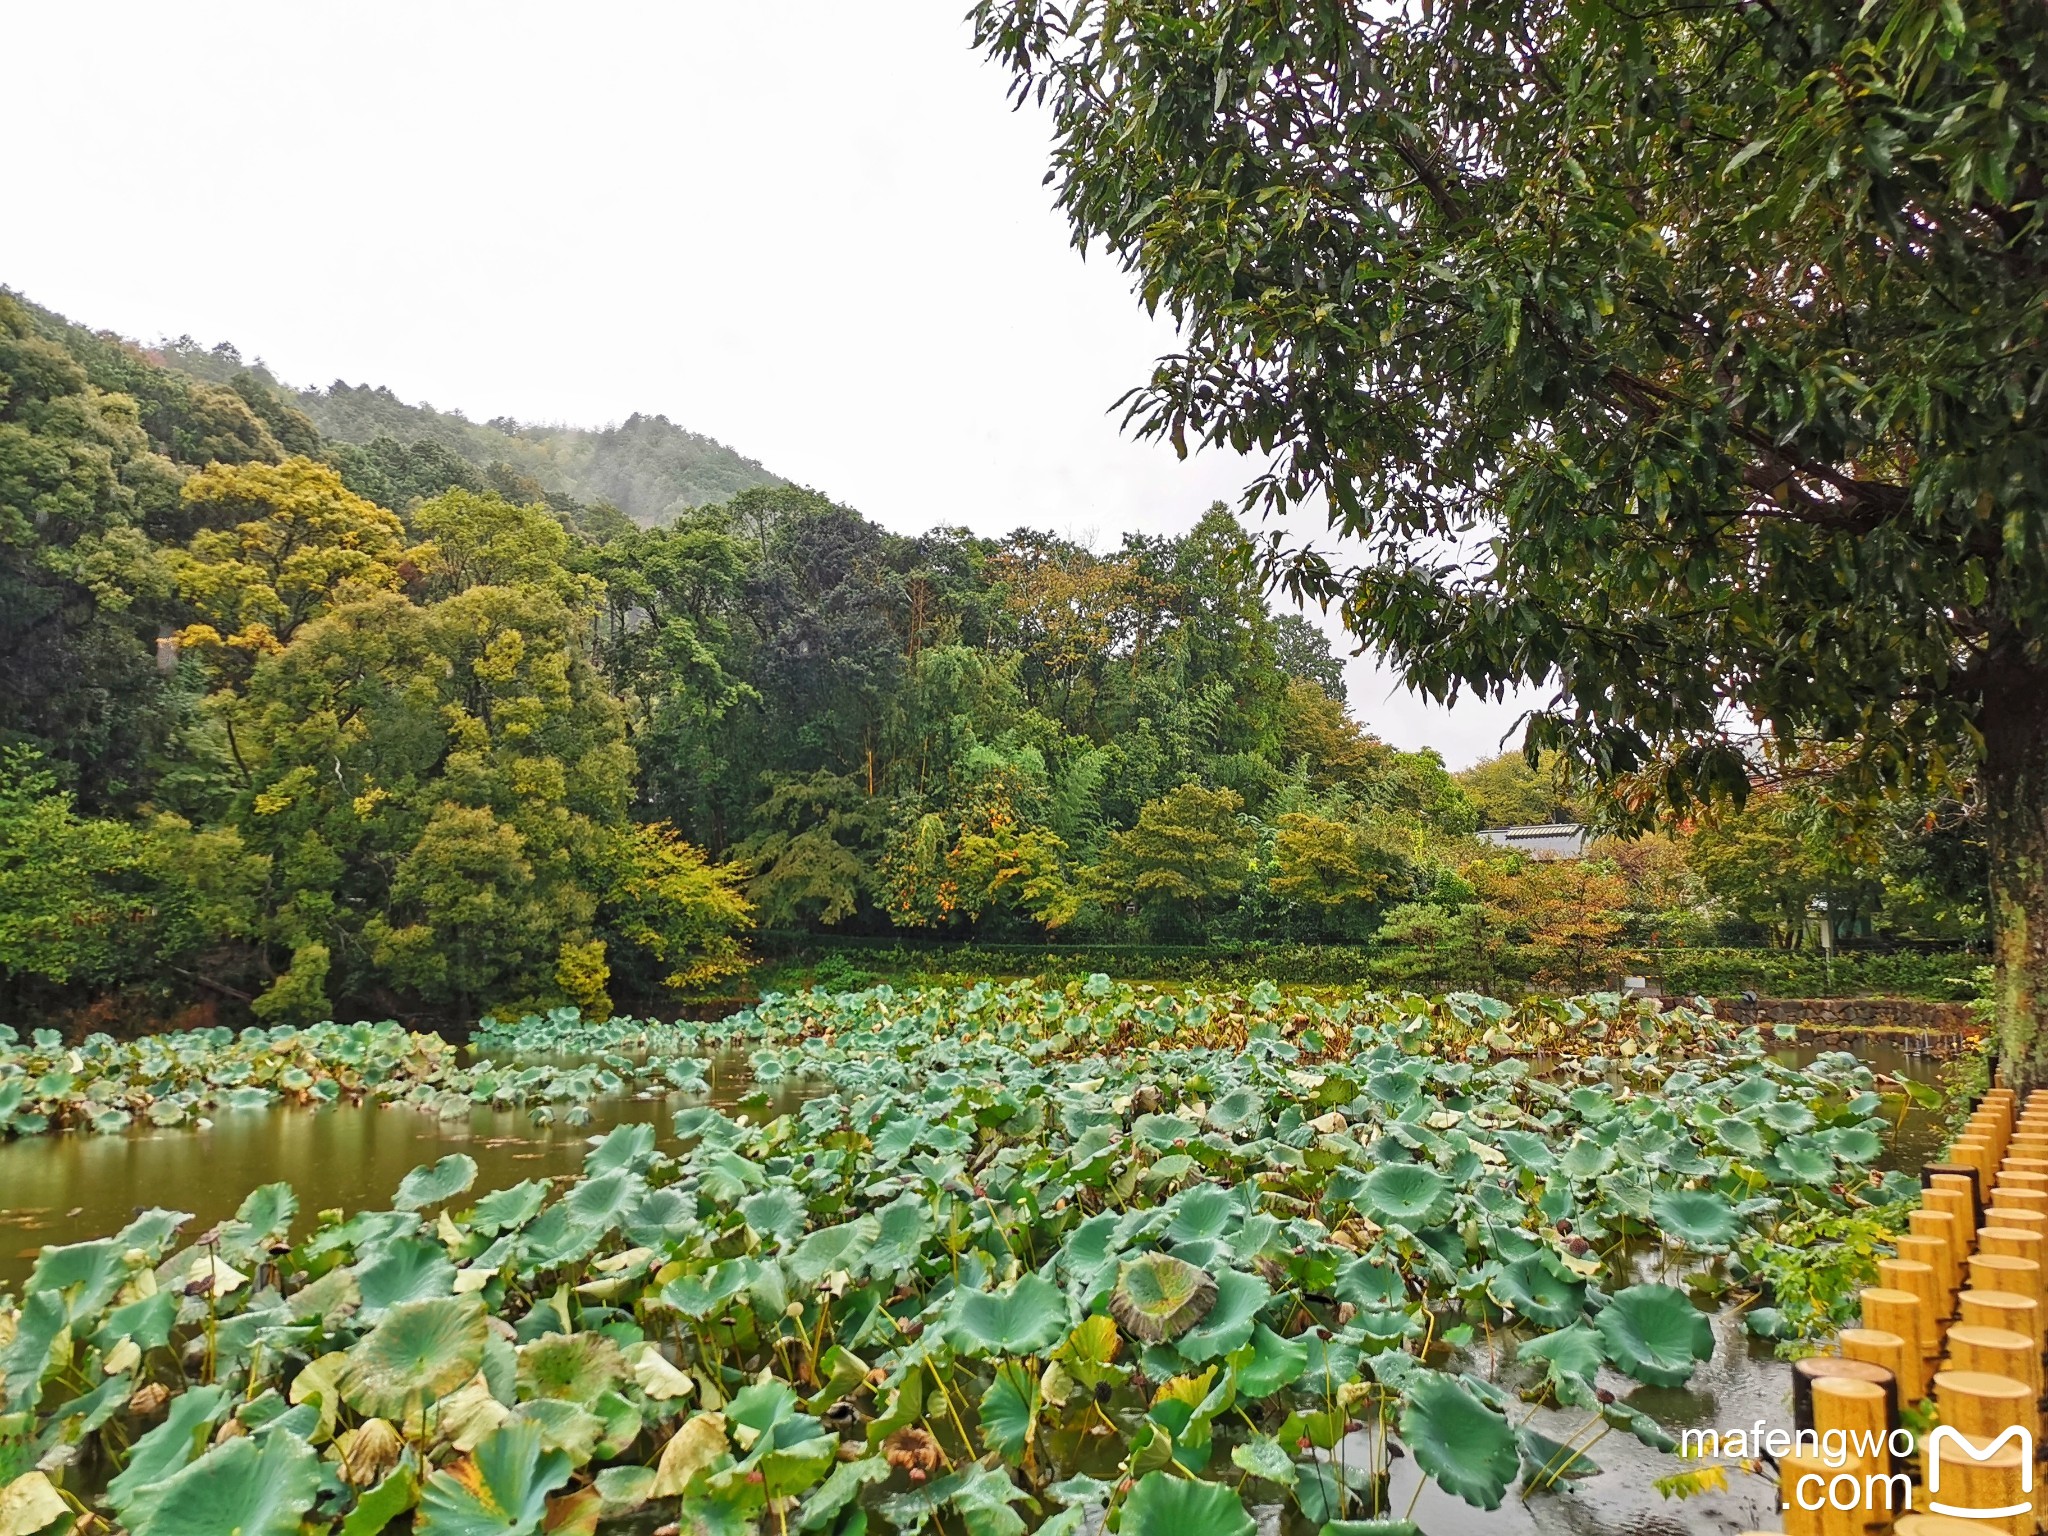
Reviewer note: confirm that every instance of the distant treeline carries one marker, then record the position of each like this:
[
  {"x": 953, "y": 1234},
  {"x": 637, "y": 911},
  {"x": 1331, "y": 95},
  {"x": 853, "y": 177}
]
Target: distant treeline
[{"x": 321, "y": 725}]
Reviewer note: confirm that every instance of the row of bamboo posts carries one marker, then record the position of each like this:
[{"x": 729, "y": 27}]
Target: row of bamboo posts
[{"x": 1959, "y": 1315}]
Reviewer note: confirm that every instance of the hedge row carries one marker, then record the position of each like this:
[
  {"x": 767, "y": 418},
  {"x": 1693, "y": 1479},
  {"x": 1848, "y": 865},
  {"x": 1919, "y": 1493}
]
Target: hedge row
[{"x": 1944, "y": 977}]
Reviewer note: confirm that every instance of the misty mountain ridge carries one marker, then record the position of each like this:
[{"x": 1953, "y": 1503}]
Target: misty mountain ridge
[{"x": 646, "y": 466}]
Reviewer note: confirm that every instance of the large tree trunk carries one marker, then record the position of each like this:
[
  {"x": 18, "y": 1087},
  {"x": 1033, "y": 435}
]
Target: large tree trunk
[{"x": 2015, "y": 797}]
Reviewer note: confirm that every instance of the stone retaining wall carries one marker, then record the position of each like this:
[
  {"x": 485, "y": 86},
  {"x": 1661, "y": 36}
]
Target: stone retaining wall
[{"x": 1854, "y": 1013}]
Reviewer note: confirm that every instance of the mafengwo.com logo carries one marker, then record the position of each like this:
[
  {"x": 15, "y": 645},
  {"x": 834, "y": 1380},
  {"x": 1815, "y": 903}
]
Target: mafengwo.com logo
[
  {"x": 1947, "y": 1442},
  {"x": 1855, "y": 1476}
]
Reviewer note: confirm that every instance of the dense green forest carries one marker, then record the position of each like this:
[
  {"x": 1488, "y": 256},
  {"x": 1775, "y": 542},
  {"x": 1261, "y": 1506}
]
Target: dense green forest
[{"x": 313, "y": 723}]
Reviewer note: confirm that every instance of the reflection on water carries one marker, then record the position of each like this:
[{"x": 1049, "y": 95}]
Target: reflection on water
[{"x": 65, "y": 1188}]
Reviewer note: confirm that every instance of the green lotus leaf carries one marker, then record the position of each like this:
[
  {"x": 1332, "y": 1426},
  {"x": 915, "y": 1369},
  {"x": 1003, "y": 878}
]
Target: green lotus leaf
[
  {"x": 1547, "y": 1463},
  {"x": 662, "y": 1217},
  {"x": 1571, "y": 1361},
  {"x": 419, "y": 1353},
  {"x": 501, "y": 1491},
  {"x": 1407, "y": 1195},
  {"x": 1639, "y": 1424},
  {"x": 511, "y": 1208},
  {"x": 407, "y": 1269},
  {"x": 1801, "y": 1161},
  {"x": 571, "y": 1367},
  {"x": 1789, "y": 1116},
  {"x": 1092, "y": 1246},
  {"x": 1229, "y": 1321},
  {"x": 624, "y": 1146},
  {"x": 1163, "y": 1504},
  {"x": 151, "y": 1231},
  {"x": 434, "y": 1183},
  {"x": 1595, "y": 1106},
  {"x": 570, "y": 1428},
  {"x": 1586, "y": 1158},
  {"x": 1238, "y": 1110},
  {"x": 1394, "y": 1088},
  {"x": 779, "y": 1213},
  {"x": 1009, "y": 1412},
  {"x": 902, "y": 1229},
  {"x": 380, "y": 1506},
  {"x": 1458, "y": 1440},
  {"x": 839, "y": 1491},
  {"x": 83, "y": 1276},
  {"x": 1526, "y": 1150},
  {"x": 257, "y": 1485},
  {"x": 1159, "y": 1297},
  {"x": 1740, "y": 1135},
  {"x": 1265, "y": 1457},
  {"x": 602, "y": 1201},
  {"x": 1200, "y": 1214},
  {"x": 1855, "y": 1144},
  {"x": 148, "y": 1322},
  {"x": 1028, "y": 1319},
  {"x": 267, "y": 1210},
  {"x": 1698, "y": 1218},
  {"x": 1370, "y": 1285},
  {"x": 1532, "y": 1288},
  {"x": 895, "y": 1141},
  {"x": 1752, "y": 1092},
  {"x": 701, "y": 1295},
  {"x": 1268, "y": 1362},
  {"x": 171, "y": 1445},
  {"x": 1653, "y": 1333},
  {"x": 1162, "y": 1131},
  {"x": 843, "y": 1247}
]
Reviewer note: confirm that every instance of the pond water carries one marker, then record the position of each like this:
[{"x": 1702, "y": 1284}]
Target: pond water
[
  {"x": 62, "y": 1189},
  {"x": 59, "y": 1189}
]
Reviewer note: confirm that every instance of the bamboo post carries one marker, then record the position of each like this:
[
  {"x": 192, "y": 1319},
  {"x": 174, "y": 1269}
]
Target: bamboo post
[
  {"x": 1957, "y": 1206},
  {"x": 2008, "y": 1310},
  {"x": 2011, "y": 1243},
  {"x": 1934, "y": 1253},
  {"x": 1935, "y": 1525},
  {"x": 1965, "y": 1482},
  {"x": 1979, "y": 1350},
  {"x": 1796, "y": 1489},
  {"x": 1900, "y": 1313},
  {"x": 2024, "y": 1218},
  {"x": 1984, "y": 1406},
  {"x": 1957, "y": 1177},
  {"x": 1913, "y": 1276},
  {"x": 1809, "y": 1373},
  {"x": 2000, "y": 1272},
  {"x": 1887, "y": 1351},
  {"x": 2013, "y": 1197},
  {"x": 1862, "y": 1414}
]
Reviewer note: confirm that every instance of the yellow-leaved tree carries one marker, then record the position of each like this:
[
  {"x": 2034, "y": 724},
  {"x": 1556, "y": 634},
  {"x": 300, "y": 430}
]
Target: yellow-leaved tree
[{"x": 279, "y": 545}]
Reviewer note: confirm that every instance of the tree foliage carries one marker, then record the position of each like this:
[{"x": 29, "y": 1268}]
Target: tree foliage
[
  {"x": 320, "y": 725},
  {"x": 1687, "y": 362}
]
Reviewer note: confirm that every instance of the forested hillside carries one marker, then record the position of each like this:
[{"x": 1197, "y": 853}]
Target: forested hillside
[
  {"x": 647, "y": 467},
  {"x": 319, "y": 725}
]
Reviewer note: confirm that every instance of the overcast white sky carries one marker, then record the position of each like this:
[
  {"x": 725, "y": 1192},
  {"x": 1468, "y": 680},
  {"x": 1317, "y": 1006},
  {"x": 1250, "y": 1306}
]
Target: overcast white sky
[{"x": 811, "y": 229}]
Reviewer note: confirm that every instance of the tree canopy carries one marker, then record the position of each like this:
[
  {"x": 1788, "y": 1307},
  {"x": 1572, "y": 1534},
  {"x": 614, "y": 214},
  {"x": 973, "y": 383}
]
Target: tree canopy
[
  {"x": 1688, "y": 362},
  {"x": 478, "y": 746}
]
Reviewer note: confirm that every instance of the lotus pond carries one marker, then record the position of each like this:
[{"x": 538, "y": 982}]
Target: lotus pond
[{"x": 984, "y": 1260}]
